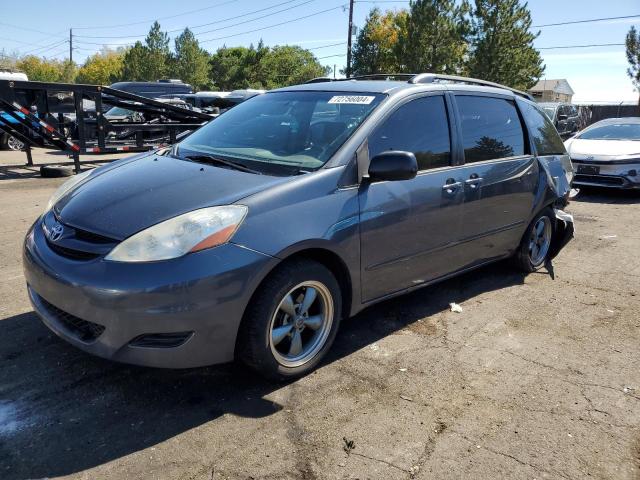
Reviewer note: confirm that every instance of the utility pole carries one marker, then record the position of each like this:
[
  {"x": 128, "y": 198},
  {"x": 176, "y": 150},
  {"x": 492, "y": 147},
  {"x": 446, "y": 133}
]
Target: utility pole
[
  {"x": 70, "y": 45},
  {"x": 348, "y": 72}
]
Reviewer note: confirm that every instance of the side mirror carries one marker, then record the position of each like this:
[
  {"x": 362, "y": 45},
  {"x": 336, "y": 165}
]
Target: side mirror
[
  {"x": 391, "y": 166},
  {"x": 562, "y": 116}
]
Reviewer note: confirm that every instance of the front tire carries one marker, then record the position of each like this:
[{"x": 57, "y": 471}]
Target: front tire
[
  {"x": 533, "y": 251},
  {"x": 292, "y": 320}
]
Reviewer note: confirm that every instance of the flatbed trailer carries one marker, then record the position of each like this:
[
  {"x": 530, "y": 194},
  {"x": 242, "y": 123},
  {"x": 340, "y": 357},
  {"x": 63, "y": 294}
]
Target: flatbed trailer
[{"x": 49, "y": 114}]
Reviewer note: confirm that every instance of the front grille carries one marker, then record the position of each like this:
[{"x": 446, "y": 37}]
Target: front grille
[
  {"x": 71, "y": 253},
  {"x": 76, "y": 244},
  {"x": 92, "y": 237},
  {"x": 84, "y": 330},
  {"x": 600, "y": 179}
]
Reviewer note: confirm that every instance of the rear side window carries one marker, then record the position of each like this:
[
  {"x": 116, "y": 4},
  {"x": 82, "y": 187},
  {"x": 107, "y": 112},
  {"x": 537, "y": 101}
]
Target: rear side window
[
  {"x": 421, "y": 127},
  {"x": 491, "y": 128},
  {"x": 544, "y": 134}
]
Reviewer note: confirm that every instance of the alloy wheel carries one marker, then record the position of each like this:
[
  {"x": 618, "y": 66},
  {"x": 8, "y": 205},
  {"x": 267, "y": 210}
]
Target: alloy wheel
[
  {"x": 301, "y": 324},
  {"x": 14, "y": 144},
  {"x": 540, "y": 240}
]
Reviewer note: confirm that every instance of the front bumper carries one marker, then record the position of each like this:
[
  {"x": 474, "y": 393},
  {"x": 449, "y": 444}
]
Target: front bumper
[
  {"x": 105, "y": 308},
  {"x": 614, "y": 174}
]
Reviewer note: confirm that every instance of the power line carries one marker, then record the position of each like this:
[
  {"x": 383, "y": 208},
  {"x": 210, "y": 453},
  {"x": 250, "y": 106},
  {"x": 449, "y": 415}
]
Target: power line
[
  {"x": 585, "y": 21},
  {"x": 84, "y": 42},
  {"x": 583, "y": 46},
  {"x": 274, "y": 25},
  {"x": 46, "y": 48},
  {"x": 332, "y": 56},
  {"x": 158, "y": 18},
  {"x": 206, "y": 24},
  {"x": 254, "y": 19},
  {"x": 20, "y": 27},
  {"x": 326, "y": 46}
]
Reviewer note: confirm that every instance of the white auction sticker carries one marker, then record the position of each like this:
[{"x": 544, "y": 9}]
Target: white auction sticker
[{"x": 352, "y": 99}]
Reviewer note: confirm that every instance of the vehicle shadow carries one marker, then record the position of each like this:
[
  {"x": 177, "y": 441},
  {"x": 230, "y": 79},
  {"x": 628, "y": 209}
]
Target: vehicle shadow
[
  {"x": 607, "y": 195},
  {"x": 63, "y": 411}
]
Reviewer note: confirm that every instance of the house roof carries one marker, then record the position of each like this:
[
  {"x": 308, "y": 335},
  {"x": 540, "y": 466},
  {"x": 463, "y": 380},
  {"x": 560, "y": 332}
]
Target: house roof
[{"x": 557, "y": 85}]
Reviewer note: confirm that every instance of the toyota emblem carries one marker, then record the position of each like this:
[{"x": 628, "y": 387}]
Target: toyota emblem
[{"x": 56, "y": 232}]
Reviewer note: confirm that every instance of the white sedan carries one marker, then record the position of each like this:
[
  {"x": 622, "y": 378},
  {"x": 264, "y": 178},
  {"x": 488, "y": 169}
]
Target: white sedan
[{"x": 607, "y": 153}]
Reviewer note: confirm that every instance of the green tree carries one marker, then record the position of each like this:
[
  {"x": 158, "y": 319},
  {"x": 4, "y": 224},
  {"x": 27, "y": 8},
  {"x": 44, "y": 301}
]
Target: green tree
[
  {"x": 502, "y": 44},
  {"x": 133, "y": 63},
  {"x": 68, "y": 71},
  {"x": 158, "y": 53},
  {"x": 236, "y": 67},
  {"x": 436, "y": 37},
  {"x": 377, "y": 48},
  {"x": 288, "y": 65},
  {"x": 191, "y": 62},
  {"x": 39, "y": 69},
  {"x": 102, "y": 68},
  {"x": 632, "y": 43},
  {"x": 149, "y": 61}
]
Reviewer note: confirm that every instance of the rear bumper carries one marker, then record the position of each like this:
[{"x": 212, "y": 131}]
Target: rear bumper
[
  {"x": 101, "y": 307},
  {"x": 620, "y": 175}
]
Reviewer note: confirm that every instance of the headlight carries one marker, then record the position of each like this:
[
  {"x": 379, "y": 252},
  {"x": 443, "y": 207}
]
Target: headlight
[
  {"x": 66, "y": 187},
  {"x": 190, "y": 232}
]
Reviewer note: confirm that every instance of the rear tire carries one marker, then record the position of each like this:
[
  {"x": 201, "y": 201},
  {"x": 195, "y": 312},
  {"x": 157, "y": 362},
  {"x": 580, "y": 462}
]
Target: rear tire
[
  {"x": 533, "y": 251},
  {"x": 56, "y": 171},
  {"x": 291, "y": 321}
]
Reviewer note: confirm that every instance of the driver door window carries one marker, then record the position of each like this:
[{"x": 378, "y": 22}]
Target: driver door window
[{"x": 421, "y": 127}]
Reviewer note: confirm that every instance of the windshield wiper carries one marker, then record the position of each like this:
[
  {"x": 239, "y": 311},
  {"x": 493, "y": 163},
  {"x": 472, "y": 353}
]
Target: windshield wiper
[{"x": 221, "y": 161}]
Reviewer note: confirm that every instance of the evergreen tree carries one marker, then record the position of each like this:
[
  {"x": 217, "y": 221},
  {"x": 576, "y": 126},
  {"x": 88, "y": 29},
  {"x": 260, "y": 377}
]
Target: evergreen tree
[
  {"x": 149, "y": 61},
  {"x": 632, "y": 43},
  {"x": 377, "y": 46},
  {"x": 134, "y": 60},
  {"x": 502, "y": 44},
  {"x": 191, "y": 63},
  {"x": 158, "y": 53},
  {"x": 436, "y": 37}
]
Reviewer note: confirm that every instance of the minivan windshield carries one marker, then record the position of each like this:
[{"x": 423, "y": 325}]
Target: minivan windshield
[
  {"x": 292, "y": 129},
  {"x": 616, "y": 131}
]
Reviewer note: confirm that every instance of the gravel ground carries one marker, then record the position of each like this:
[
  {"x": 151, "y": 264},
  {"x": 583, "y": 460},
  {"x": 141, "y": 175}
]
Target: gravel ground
[{"x": 536, "y": 378}]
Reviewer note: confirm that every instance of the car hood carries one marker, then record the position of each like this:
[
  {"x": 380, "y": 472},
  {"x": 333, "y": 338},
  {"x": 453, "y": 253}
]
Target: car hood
[
  {"x": 118, "y": 201},
  {"x": 602, "y": 149}
]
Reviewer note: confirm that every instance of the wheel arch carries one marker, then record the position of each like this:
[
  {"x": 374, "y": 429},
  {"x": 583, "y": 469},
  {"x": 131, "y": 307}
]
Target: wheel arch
[{"x": 322, "y": 254}]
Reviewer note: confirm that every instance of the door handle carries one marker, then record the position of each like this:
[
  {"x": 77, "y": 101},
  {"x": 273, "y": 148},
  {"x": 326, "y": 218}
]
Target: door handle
[
  {"x": 473, "y": 182},
  {"x": 451, "y": 186}
]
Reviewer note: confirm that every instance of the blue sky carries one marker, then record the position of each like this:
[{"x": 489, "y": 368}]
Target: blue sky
[{"x": 42, "y": 27}]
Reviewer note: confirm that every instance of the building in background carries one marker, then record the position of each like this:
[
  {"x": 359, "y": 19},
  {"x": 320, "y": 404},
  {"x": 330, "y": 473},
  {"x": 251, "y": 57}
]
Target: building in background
[{"x": 556, "y": 90}]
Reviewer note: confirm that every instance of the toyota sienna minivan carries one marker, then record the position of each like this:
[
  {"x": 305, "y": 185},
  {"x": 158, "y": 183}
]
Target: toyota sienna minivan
[{"x": 252, "y": 238}]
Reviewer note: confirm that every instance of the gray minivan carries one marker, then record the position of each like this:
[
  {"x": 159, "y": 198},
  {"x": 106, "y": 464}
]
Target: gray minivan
[{"x": 253, "y": 237}]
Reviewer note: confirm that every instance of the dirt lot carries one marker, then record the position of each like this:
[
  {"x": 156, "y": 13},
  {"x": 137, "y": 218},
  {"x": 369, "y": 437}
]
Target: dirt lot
[{"x": 536, "y": 378}]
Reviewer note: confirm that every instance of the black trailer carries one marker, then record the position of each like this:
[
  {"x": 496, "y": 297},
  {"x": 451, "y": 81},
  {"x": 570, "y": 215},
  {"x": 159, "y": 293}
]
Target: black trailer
[{"x": 71, "y": 117}]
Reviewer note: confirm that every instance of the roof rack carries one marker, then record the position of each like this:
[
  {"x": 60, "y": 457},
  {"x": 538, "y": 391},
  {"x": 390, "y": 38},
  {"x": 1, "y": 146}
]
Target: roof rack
[
  {"x": 438, "y": 78},
  {"x": 424, "y": 78},
  {"x": 372, "y": 76},
  {"x": 384, "y": 76}
]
